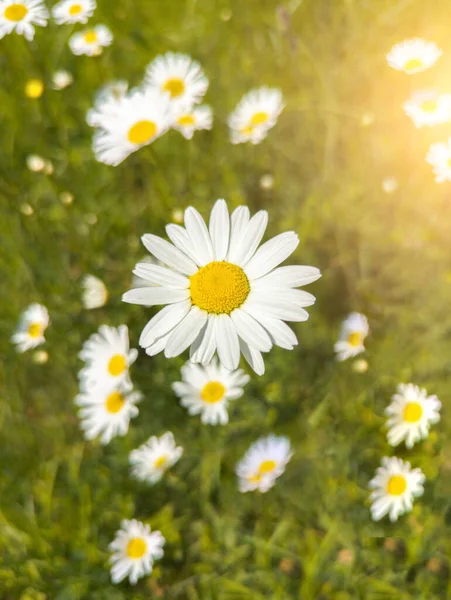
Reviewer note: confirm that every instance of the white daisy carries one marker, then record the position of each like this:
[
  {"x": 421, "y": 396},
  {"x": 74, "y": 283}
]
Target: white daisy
[
  {"x": 134, "y": 121},
  {"x": 108, "y": 358},
  {"x": 178, "y": 75},
  {"x": 395, "y": 485},
  {"x": 439, "y": 156},
  {"x": 107, "y": 411},
  {"x": 73, "y": 11},
  {"x": 255, "y": 115},
  {"x": 354, "y": 330},
  {"x": 207, "y": 390},
  {"x": 428, "y": 107},
  {"x": 95, "y": 293},
  {"x": 107, "y": 102},
  {"x": 223, "y": 292},
  {"x": 134, "y": 549},
  {"x": 195, "y": 119},
  {"x": 35, "y": 163},
  {"x": 411, "y": 413},
  {"x": 62, "y": 79},
  {"x": 30, "y": 331},
  {"x": 150, "y": 461},
  {"x": 21, "y": 16},
  {"x": 263, "y": 463},
  {"x": 413, "y": 56},
  {"x": 91, "y": 41}
]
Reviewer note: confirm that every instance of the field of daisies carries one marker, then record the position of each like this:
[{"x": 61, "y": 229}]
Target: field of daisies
[{"x": 226, "y": 279}]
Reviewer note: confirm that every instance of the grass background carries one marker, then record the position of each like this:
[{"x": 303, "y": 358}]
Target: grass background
[{"x": 342, "y": 132}]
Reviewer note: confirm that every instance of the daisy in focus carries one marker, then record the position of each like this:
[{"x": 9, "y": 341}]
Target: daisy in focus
[
  {"x": 95, "y": 293},
  {"x": 32, "y": 325},
  {"x": 108, "y": 358},
  {"x": 255, "y": 115},
  {"x": 428, "y": 108},
  {"x": 106, "y": 412},
  {"x": 134, "y": 548},
  {"x": 207, "y": 390},
  {"x": 223, "y": 293},
  {"x": 395, "y": 486},
  {"x": 73, "y": 11},
  {"x": 21, "y": 17},
  {"x": 263, "y": 463},
  {"x": 413, "y": 56},
  {"x": 107, "y": 101},
  {"x": 196, "y": 119},
  {"x": 411, "y": 413},
  {"x": 91, "y": 41},
  {"x": 150, "y": 461},
  {"x": 439, "y": 156},
  {"x": 354, "y": 330}
]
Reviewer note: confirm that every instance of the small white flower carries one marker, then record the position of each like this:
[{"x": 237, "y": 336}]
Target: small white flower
[
  {"x": 95, "y": 293},
  {"x": 411, "y": 414},
  {"x": 195, "y": 119},
  {"x": 413, "y": 56},
  {"x": 135, "y": 548},
  {"x": 107, "y": 102},
  {"x": 428, "y": 107},
  {"x": 21, "y": 16},
  {"x": 150, "y": 461},
  {"x": 263, "y": 463},
  {"x": 207, "y": 390},
  {"x": 91, "y": 41},
  {"x": 73, "y": 11},
  {"x": 62, "y": 79},
  {"x": 30, "y": 331},
  {"x": 395, "y": 485},
  {"x": 439, "y": 156},
  {"x": 255, "y": 115},
  {"x": 354, "y": 330},
  {"x": 390, "y": 185},
  {"x": 108, "y": 358},
  {"x": 35, "y": 163}
]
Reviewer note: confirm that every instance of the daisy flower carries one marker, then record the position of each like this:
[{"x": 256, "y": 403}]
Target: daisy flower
[
  {"x": 73, "y": 11},
  {"x": 222, "y": 292},
  {"x": 134, "y": 550},
  {"x": 35, "y": 163},
  {"x": 411, "y": 413},
  {"x": 62, "y": 79},
  {"x": 354, "y": 330},
  {"x": 178, "y": 75},
  {"x": 439, "y": 156},
  {"x": 195, "y": 119},
  {"x": 95, "y": 293},
  {"x": 107, "y": 411},
  {"x": 428, "y": 107},
  {"x": 21, "y": 16},
  {"x": 255, "y": 115},
  {"x": 108, "y": 358},
  {"x": 395, "y": 485},
  {"x": 107, "y": 101},
  {"x": 413, "y": 56},
  {"x": 263, "y": 463},
  {"x": 207, "y": 390},
  {"x": 91, "y": 41},
  {"x": 150, "y": 461},
  {"x": 30, "y": 331}
]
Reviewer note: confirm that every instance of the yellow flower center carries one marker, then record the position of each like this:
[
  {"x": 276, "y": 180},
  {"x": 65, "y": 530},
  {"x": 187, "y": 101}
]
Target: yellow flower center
[
  {"x": 429, "y": 106},
  {"x": 114, "y": 402},
  {"x": 186, "y": 120},
  {"x": 413, "y": 64},
  {"x": 212, "y": 392},
  {"x": 136, "y": 548},
  {"x": 448, "y": 162},
  {"x": 412, "y": 412},
  {"x": 259, "y": 118},
  {"x": 34, "y": 88},
  {"x": 160, "y": 461},
  {"x": 117, "y": 365},
  {"x": 174, "y": 86},
  {"x": 397, "y": 485},
  {"x": 15, "y": 12},
  {"x": 141, "y": 132},
  {"x": 219, "y": 287},
  {"x": 75, "y": 9},
  {"x": 34, "y": 330},
  {"x": 355, "y": 339},
  {"x": 267, "y": 466},
  {"x": 90, "y": 36}
]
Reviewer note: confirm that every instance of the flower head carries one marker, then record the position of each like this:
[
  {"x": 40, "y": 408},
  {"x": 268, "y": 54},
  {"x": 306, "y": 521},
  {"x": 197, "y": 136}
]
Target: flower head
[
  {"x": 62, "y": 79},
  {"x": 150, "y": 461},
  {"x": 413, "y": 56},
  {"x": 263, "y": 463},
  {"x": 255, "y": 115},
  {"x": 354, "y": 330},
  {"x": 193, "y": 119},
  {"x": 428, "y": 107},
  {"x": 439, "y": 156},
  {"x": 73, "y": 11},
  {"x": 91, "y": 41},
  {"x": 21, "y": 16},
  {"x": 95, "y": 293},
  {"x": 30, "y": 330}
]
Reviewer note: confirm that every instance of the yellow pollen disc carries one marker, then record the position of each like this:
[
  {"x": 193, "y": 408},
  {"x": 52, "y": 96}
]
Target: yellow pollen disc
[
  {"x": 186, "y": 120},
  {"x": 258, "y": 119},
  {"x": 429, "y": 106},
  {"x": 413, "y": 63},
  {"x": 254, "y": 478},
  {"x": 355, "y": 339},
  {"x": 219, "y": 287},
  {"x": 174, "y": 86},
  {"x": 448, "y": 162},
  {"x": 141, "y": 132},
  {"x": 160, "y": 462},
  {"x": 114, "y": 402},
  {"x": 136, "y": 548},
  {"x": 397, "y": 485},
  {"x": 15, "y": 12},
  {"x": 34, "y": 88},
  {"x": 412, "y": 412},
  {"x": 75, "y": 9},
  {"x": 34, "y": 330},
  {"x": 212, "y": 392},
  {"x": 90, "y": 37},
  {"x": 267, "y": 466},
  {"x": 117, "y": 365}
]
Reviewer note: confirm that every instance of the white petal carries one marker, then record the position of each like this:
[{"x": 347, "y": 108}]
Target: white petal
[
  {"x": 227, "y": 342},
  {"x": 271, "y": 308},
  {"x": 250, "y": 330},
  {"x": 165, "y": 320},
  {"x": 219, "y": 227},
  {"x": 186, "y": 332},
  {"x": 249, "y": 239},
  {"x": 205, "y": 346},
  {"x": 150, "y": 296},
  {"x": 281, "y": 334},
  {"x": 271, "y": 254},
  {"x": 161, "y": 276},
  {"x": 180, "y": 238},
  {"x": 253, "y": 357},
  {"x": 168, "y": 254},
  {"x": 199, "y": 236},
  {"x": 238, "y": 221},
  {"x": 289, "y": 276}
]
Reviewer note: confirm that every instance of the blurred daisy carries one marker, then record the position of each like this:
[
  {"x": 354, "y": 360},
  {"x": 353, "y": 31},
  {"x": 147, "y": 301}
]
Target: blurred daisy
[
  {"x": 178, "y": 75},
  {"x": 91, "y": 41},
  {"x": 73, "y": 11},
  {"x": 95, "y": 293},
  {"x": 107, "y": 412},
  {"x": 107, "y": 102},
  {"x": 62, "y": 79},
  {"x": 150, "y": 461},
  {"x": 354, "y": 330},
  {"x": 134, "y": 550},
  {"x": 428, "y": 107},
  {"x": 255, "y": 115},
  {"x": 189, "y": 121},
  {"x": 30, "y": 331},
  {"x": 263, "y": 463},
  {"x": 223, "y": 292},
  {"x": 21, "y": 17},
  {"x": 34, "y": 88},
  {"x": 411, "y": 413},
  {"x": 413, "y": 56},
  {"x": 395, "y": 485},
  {"x": 207, "y": 390},
  {"x": 108, "y": 358},
  {"x": 35, "y": 163},
  {"x": 439, "y": 156}
]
